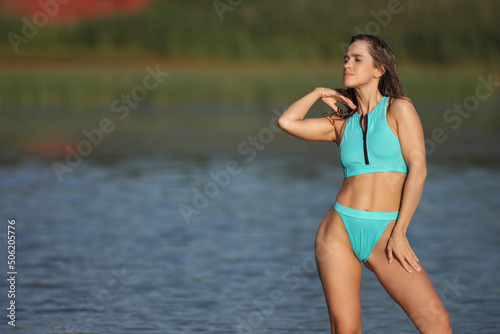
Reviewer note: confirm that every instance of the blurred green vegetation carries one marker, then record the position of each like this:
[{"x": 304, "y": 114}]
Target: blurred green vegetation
[
  {"x": 80, "y": 84},
  {"x": 287, "y": 30},
  {"x": 203, "y": 106},
  {"x": 271, "y": 51},
  {"x": 226, "y": 76}
]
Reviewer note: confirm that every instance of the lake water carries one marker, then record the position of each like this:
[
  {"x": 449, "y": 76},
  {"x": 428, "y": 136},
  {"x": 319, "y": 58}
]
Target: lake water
[{"x": 118, "y": 246}]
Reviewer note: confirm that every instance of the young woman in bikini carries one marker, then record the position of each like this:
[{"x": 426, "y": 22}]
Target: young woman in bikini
[{"x": 382, "y": 152}]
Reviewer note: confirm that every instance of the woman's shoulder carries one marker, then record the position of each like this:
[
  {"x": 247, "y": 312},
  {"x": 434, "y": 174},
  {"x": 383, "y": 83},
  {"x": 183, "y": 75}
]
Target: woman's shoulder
[
  {"x": 401, "y": 102},
  {"x": 400, "y": 107},
  {"x": 403, "y": 111}
]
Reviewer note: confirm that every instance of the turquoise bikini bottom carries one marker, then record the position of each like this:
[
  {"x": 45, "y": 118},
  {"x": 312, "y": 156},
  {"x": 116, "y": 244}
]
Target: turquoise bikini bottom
[{"x": 364, "y": 228}]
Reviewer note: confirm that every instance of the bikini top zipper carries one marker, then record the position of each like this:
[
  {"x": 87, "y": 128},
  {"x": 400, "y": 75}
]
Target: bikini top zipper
[{"x": 365, "y": 149}]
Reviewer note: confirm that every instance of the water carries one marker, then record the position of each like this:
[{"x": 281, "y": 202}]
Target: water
[{"x": 107, "y": 250}]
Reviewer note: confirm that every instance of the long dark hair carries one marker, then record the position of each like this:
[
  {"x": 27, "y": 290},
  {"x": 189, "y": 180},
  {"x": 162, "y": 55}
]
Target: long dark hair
[{"x": 389, "y": 84}]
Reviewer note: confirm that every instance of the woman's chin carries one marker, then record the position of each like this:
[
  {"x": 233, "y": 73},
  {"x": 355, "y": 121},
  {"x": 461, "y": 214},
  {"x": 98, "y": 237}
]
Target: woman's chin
[{"x": 348, "y": 83}]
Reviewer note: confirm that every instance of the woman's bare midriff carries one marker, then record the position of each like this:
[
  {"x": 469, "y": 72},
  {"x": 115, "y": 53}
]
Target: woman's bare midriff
[{"x": 373, "y": 191}]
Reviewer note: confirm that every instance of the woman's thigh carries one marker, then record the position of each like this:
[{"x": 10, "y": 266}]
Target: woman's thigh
[
  {"x": 339, "y": 271},
  {"x": 414, "y": 291}
]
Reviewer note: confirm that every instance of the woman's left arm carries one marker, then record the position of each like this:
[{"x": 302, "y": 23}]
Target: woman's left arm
[{"x": 412, "y": 140}]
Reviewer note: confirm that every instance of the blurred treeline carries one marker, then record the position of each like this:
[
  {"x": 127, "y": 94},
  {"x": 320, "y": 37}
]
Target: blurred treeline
[
  {"x": 424, "y": 31},
  {"x": 66, "y": 77}
]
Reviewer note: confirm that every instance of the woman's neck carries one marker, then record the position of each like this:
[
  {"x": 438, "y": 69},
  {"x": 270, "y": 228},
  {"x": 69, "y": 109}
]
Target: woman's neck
[{"x": 367, "y": 100}]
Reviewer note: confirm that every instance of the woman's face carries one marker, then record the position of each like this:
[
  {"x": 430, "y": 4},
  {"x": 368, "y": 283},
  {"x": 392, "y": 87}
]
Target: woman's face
[{"x": 359, "y": 67}]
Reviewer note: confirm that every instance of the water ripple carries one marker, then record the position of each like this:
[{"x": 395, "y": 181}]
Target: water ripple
[{"x": 108, "y": 251}]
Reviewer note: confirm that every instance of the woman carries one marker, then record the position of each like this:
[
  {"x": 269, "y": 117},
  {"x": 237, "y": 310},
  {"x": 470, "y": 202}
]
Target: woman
[{"x": 382, "y": 152}]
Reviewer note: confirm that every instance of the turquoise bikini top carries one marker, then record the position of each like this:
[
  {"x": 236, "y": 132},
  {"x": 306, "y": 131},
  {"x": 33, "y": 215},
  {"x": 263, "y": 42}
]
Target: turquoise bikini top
[{"x": 375, "y": 150}]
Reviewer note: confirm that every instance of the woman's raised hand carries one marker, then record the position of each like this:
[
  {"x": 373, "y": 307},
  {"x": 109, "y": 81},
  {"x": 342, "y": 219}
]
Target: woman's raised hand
[{"x": 331, "y": 96}]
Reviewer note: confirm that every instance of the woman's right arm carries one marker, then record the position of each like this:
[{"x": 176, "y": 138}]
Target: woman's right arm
[{"x": 316, "y": 129}]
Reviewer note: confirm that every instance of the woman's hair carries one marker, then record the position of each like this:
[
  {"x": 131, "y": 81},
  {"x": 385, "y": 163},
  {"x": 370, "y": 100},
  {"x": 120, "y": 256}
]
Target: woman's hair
[{"x": 383, "y": 56}]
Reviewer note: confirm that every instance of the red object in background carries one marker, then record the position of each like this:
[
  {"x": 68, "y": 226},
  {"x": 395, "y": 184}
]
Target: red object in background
[{"x": 72, "y": 10}]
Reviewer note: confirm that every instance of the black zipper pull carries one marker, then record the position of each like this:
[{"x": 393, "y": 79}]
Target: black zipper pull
[{"x": 365, "y": 149}]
